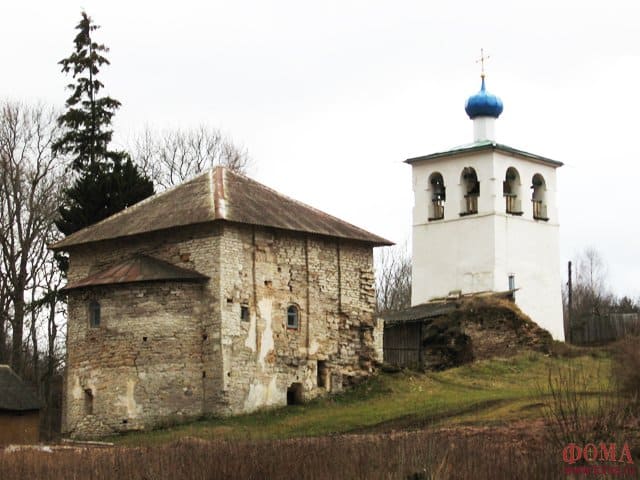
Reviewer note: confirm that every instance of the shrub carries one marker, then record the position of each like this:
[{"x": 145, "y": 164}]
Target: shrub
[
  {"x": 626, "y": 368},
  {"x": 584, "y": 407}
]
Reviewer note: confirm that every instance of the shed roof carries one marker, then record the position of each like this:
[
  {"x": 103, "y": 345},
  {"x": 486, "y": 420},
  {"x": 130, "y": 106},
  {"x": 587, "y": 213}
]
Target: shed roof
[
  {"x": 14, "y": 394},
  {"x": 140, "y": 268},
  {"x": 437, "y": 308},
  {"x": 420, "y": 312},
  {"x": 218, "y": 194}
]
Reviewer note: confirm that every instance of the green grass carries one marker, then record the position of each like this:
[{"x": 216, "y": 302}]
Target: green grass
[{"x": 486, "y": 392}]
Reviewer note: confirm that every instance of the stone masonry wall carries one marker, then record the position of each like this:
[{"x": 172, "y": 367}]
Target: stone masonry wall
[
  {"x": 142, "y": 366},
  {"x": 176, "y": 372},
  {"x": 171, "y": 350},
  {"x": 331, "y": 284}
]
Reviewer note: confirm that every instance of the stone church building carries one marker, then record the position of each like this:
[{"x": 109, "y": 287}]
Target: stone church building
[{"x": 220, "y": 296}]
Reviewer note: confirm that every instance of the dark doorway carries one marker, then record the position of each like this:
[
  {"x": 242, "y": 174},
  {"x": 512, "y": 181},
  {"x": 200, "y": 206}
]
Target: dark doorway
[{"x": 294, "y": 394}]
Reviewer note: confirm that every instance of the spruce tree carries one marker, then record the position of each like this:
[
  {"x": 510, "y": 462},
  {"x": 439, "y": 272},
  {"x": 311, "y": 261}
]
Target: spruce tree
[{"x": 106, "y": 181}]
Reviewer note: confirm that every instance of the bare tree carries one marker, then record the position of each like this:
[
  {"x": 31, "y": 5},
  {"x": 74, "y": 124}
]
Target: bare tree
[
  {"x": 5, "y": 312},
  {"x": 173, "y": 156},
  {"x": 29, "y": 188},
  {"x": 590, "y": 294},
  {"x": 393, "y": 278}
]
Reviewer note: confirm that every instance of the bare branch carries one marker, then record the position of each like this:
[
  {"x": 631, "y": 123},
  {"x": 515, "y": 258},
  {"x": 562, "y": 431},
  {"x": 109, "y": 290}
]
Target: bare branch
[
  {"x": 174, "y": 156},
  {"x": 393, "y": 278}
]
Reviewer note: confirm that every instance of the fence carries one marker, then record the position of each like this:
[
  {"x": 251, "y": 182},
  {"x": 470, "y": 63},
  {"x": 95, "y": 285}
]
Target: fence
[{"x": 598, "y": 329}]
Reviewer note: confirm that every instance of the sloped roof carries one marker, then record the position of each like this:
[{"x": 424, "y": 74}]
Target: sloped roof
[
  {"x": 218, "y": 194},
  {"x": 14, "y": 394},
  {"x": 437, "y": 308},
  {"x": 140, "y": 268},
  {"x": 487, "y": 145},
  {"x": 419, "y": 312}
]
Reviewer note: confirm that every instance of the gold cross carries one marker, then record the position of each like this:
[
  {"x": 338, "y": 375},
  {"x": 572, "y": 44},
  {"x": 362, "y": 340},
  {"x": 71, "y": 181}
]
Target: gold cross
[{"x": 481, "y": 61}]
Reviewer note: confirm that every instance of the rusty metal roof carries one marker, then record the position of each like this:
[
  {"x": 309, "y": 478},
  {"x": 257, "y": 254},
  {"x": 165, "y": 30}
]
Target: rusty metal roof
[
  {"x": 14, "y": 394},
  {"x": 140, "y": 268},
  {"x": 218, "y": 194}
]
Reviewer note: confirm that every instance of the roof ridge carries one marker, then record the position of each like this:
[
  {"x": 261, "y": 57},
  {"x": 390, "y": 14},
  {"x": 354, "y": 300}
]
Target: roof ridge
[
  {"x": 219, "y": 193},
  {"x": 298, "y": 202}
]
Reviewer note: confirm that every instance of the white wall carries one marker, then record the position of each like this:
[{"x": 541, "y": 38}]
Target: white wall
[
  {"x": 478, "y": 252},
  {"x": 453, "y": 255}
]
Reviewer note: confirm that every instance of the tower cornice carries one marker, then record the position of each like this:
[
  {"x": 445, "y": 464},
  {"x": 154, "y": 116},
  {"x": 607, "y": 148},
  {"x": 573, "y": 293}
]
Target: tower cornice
[{"x": 479, "y": 147}]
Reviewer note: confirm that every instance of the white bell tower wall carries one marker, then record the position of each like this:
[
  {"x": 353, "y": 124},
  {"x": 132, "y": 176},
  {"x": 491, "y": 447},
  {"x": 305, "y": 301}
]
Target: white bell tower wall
[
  {"x": 455, "y": 252},
  {"x": 528, "y": 248},
  {"x": 500, "y": 238}
]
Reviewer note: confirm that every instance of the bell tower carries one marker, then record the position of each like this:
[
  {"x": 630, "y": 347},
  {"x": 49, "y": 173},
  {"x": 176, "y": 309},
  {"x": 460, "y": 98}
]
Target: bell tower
[{"x": 485, "y": 219}]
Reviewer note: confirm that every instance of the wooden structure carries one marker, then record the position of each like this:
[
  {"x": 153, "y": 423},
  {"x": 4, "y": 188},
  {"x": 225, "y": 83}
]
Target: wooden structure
[
  {"x": 449, "y": 332},
  {"x": 403, "y": 344},
  {"x": 19, "y": 410},
  {"x": 600, "y": 329}
]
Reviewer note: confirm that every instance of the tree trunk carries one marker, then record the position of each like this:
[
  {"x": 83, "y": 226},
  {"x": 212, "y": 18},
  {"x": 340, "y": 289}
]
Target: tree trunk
[
  {"x": 17, "y": 325},
  {"x": 52, "y": 332}
]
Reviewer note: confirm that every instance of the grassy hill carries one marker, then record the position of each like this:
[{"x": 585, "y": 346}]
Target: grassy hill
[
  {"x": 490, "y": 392},
  {"x": 482, "y": 420}
]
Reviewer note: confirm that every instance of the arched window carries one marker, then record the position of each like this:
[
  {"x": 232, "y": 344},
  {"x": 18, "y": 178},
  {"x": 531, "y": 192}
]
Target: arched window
[
  {"x": 511, "y": 191},
  {"x": 470, "y": 191},
  {"x": 94, "y": 313},
  {"x": 538, "y": 197},
  {"x": 438, "y": 196},
  {"x": 293, "y": 320}
]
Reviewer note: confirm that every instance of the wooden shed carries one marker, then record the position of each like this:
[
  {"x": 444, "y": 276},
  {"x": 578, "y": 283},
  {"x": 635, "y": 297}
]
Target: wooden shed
[
  {"x": 19, "y": 410},
  {"x": 450, "y": 332}
]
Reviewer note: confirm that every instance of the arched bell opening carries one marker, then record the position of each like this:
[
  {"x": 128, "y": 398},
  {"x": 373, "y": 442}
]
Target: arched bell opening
[
  {"x": 470, "y": 191},
  {"x": 437, "y": 192},
  {"x": 539, "y": 197},
  {"x": 511, "y": 191}
]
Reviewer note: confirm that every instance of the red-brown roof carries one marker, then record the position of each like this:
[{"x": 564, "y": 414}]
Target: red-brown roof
[
  {"x": 218, "y": 194},
  {"x": 140, "y": 268}
]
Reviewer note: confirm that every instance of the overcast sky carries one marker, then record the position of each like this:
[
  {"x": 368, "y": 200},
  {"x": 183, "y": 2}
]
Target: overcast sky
[{"x": 330, "y": 97}]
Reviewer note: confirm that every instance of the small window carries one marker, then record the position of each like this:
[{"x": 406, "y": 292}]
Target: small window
[
  {"x": 292, "y": 317},
  {"x": 88, "y": 401},
  {"x": 512, "y": 282},
  {"x": 94, "y": 314},
  {"x": 244, "y": 313}
]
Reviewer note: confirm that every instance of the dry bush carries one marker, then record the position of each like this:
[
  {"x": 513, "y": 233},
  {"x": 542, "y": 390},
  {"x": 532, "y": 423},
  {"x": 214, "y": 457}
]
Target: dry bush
[
  {"x": 627, "y": 367},
  {"x": 577, "y": 414},
  {"x": 566, "y": 350},
  {"x": 416, "y": 455}
]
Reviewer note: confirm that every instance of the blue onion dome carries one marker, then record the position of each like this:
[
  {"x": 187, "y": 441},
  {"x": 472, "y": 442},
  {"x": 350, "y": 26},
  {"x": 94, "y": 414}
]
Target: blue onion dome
[{"x": 483, "y": 104}]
